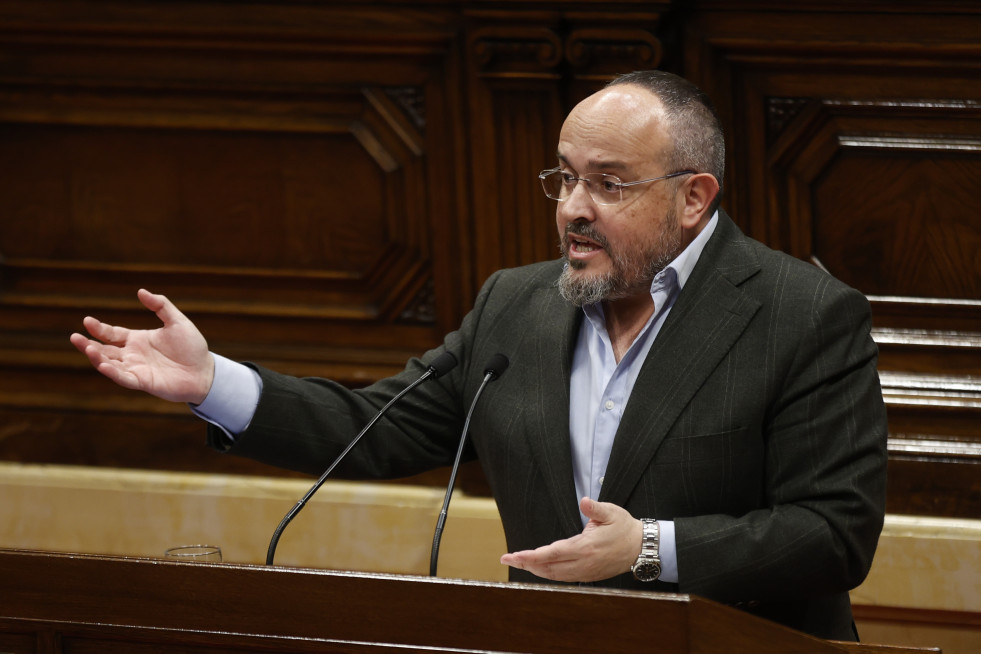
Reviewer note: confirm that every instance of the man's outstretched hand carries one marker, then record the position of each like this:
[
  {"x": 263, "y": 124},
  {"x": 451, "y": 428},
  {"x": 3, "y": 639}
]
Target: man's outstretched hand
[
  {"x": 608, "y": 546},
  {"x": 171, "y": 362}
]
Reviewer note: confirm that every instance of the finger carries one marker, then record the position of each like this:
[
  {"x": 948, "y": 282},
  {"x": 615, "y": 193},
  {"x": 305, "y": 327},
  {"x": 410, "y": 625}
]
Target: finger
[
  {"x": 558, "y": 570},
  {"x": 80, "y": 341},
  {"x": 96, "y": 352},
  {"x": 166, "y": 311},
  {"x": 513, "y": 560},
  {"x": 93, "y": 350},
  {"x": 104, "y": 332},
  {"x": 557, "y": 552}
]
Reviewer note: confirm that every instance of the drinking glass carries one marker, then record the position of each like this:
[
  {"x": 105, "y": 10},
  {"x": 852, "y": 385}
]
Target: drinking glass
[{"x": 194, "y": 553}]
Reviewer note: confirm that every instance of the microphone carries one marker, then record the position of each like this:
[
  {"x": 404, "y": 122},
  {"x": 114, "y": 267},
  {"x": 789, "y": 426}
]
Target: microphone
[
  {"x": 439, "y": 367},
  {"x": 494, "y": 368}
]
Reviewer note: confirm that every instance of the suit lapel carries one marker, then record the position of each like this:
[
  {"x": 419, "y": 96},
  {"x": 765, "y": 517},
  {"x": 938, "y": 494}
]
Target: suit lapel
[
  {"x": 707, "y": 319},
  {"x": 550, "y": 437}
]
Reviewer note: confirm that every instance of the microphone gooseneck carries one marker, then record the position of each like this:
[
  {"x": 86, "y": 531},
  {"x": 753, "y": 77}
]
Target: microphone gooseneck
[
  {"x": 437, "y": 368},
  {"x": 494, "y": 368}
]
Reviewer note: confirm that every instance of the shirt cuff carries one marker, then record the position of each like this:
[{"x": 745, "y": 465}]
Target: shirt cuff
[
  {"x": 667, "y": 551},
  {"x": 233, "y": 397}
]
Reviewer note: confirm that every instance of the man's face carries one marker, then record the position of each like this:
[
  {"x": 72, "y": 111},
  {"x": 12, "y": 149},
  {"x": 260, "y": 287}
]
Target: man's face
[{"x": 614, "y": 251}]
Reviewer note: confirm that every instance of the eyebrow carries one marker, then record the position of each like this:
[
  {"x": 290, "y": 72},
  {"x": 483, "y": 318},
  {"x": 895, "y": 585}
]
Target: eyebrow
[{"x": 597, "y": 163}]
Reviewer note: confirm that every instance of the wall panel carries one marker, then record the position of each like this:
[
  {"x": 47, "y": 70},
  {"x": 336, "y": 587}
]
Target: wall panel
[
  {"x": 266, "y": 166},
  {"x": 324, "y": 186},
  {"x": 854, "y": 145}
]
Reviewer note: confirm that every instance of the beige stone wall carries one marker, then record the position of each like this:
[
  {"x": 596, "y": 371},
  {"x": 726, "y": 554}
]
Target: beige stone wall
[
  {"x": 926, "y": 564},
  {"x": 347, "y": 526}
]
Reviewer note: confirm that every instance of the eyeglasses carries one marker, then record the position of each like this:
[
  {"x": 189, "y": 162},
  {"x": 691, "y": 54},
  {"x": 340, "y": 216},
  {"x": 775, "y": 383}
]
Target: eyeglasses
[{"x": 604, "y": 189}]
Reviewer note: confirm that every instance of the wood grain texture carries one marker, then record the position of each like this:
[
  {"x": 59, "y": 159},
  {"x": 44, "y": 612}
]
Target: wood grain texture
[
  {"x": 323, "y": 187},
  {"x": 86, "y": 604}
]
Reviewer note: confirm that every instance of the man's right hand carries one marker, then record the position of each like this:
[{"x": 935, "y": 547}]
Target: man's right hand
[{"x": 171, "y": 362}]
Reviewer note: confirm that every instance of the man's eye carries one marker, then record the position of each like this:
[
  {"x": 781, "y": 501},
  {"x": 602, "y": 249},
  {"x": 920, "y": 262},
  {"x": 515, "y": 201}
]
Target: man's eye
[
  {"x": 610, "y": 186},
  {"x": 567, "y": 178}
]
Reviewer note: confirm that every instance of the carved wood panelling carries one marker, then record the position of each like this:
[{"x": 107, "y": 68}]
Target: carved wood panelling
[
  {"x": 876, "y": 192},
  {"x": 221, "y": 162},
  {"x": 324, "y": 186},
  {"x": 524, "y": 78},
  {"x": 854, "y": 144},
  {"x": 269, "y": 168}
]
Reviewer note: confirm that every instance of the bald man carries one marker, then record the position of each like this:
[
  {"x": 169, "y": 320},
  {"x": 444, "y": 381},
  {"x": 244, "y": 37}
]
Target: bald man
[{"x": 686, "y": 410}]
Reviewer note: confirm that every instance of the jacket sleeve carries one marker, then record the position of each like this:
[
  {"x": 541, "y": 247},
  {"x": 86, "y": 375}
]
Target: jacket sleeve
[{"x": 304, "y": 423}]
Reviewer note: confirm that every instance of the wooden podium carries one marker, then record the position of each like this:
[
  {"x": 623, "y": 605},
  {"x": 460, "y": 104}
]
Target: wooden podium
[{"x": 83, "y": 604}]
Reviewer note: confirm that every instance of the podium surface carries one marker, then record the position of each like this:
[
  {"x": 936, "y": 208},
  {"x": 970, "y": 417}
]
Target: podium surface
[{"x": 59, "y": 602}]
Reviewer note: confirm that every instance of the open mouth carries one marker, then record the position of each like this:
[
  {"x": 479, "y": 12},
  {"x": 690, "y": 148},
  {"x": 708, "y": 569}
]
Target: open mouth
[
  {"x": 581, "y": 244},
  {"x": 583, "y": 240}
]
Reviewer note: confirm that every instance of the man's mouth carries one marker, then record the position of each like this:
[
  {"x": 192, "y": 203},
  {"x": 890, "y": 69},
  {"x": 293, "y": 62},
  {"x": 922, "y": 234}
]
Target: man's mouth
[
  {"x": 579, "y": 244},
  {"x": 582, "y": 242}
]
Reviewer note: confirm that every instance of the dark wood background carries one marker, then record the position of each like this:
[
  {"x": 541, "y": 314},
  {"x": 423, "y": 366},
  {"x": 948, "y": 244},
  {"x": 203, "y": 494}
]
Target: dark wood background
[{"x": 323, "y": 186}]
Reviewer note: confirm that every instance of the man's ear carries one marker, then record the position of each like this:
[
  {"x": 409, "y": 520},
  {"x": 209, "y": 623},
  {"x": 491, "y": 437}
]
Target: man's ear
[{"x": 697, "y": 194}]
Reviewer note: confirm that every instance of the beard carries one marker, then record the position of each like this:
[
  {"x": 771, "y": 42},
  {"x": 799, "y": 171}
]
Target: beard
[{"x": 632, "y": 270}]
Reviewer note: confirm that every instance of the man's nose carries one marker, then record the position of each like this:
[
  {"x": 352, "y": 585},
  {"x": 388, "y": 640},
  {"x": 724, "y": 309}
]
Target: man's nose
[{"x": 579, "y": 205}]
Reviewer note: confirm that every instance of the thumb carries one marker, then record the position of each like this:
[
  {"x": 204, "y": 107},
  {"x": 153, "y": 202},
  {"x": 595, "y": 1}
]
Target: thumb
[
  {"x": 160, "y": 305},
  {"x": 596, "y": 511}
]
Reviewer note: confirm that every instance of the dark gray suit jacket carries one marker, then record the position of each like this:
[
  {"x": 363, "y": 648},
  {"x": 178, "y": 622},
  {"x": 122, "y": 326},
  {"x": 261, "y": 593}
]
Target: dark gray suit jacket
[{"x": 756, "y": 424}]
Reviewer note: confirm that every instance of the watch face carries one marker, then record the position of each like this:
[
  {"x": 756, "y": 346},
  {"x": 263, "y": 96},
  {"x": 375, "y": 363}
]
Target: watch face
[{"x": 647, "y": 570}]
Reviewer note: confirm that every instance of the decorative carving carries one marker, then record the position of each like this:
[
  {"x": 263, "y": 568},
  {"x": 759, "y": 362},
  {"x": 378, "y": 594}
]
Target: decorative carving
[
  {"x": 912, "y": 243},
  {"x": 494, "y": 46},
  {"x": 422, "y": 309},
  {"x": 412, "y": 101},
  {"x": 779, "y": 113},
  {"x": 633, "y": 48}
]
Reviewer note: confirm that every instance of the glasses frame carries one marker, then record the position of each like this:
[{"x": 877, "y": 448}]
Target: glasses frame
[{"x": 620, "y": 184}]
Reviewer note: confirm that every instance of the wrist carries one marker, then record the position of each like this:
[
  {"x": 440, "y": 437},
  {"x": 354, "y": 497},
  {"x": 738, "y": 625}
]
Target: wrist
[{"x": 208, "y": 380}]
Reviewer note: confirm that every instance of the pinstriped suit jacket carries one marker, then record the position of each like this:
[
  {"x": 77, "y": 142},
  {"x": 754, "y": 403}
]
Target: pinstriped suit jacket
[{"x": 756, "y": 424}]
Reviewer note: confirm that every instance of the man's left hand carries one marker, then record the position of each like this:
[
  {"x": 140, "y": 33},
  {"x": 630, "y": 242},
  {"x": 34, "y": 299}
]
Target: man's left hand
[{"x": 608, "y": 546}]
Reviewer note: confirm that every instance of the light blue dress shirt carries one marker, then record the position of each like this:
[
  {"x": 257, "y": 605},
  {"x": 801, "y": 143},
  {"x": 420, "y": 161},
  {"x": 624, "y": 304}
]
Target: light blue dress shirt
[{"x": 599, "y": 389}]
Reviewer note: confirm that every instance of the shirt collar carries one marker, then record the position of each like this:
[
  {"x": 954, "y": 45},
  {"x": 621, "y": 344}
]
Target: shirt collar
[
  {"x": 685, "y": 262},
  {"x": 678, "y": 271}
]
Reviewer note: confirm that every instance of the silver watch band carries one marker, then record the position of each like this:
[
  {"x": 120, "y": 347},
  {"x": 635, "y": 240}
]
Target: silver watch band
[{"x": 649, "y": 544}]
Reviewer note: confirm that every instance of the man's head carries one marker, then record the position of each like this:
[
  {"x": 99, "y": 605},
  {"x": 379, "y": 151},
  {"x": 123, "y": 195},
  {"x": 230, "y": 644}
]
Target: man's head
[
  {"x": 640, "y": 128},
  {"x": 695, "y": 128}
]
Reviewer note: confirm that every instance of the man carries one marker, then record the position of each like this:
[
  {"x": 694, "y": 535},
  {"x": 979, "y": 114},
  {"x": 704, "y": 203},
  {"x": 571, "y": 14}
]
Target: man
[{"x": 714, "y": 404}]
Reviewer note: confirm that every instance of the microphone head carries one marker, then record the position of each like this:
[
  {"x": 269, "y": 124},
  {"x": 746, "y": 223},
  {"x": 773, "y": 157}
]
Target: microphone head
[
  {"x": 496, "y": 365},
  {"x": 442, "y": 364}
]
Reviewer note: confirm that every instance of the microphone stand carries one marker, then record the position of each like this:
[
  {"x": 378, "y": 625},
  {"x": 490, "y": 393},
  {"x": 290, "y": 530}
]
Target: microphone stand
[
  {"x": 497, "y": 364},
  {"x": 439, "y": 366}
]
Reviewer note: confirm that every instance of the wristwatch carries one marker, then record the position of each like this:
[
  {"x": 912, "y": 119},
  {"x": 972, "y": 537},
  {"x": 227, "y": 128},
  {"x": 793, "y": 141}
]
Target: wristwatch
[{"x": 647, "y": 567}]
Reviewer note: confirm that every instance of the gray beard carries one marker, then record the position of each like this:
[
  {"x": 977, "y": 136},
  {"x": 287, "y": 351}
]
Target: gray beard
[{"x": 629, "y": 270}]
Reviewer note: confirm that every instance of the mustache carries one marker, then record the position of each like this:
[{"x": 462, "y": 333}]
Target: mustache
[{"x": 586, "y": 230}]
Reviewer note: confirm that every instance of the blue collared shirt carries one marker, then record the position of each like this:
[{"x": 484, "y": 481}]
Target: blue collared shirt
[{"x": 600, "y": 386}]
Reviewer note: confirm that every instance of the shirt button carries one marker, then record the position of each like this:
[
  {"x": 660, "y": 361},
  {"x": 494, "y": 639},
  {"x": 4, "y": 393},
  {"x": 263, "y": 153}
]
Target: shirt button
[
  {"x": 610, "y": 405},
  {"x": 602, "y": 479}
]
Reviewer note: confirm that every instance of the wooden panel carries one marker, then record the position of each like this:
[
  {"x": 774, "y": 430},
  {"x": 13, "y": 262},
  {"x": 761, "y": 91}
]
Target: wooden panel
[
  {"x": 854, "y": 144},
  {"x": 14, "y": 643},
  {"x": 170, "y": 604},
  {"x": 526, "y": 71},
  {"x": 208, "y": 151},
  {"x": 267, "y": 167}
]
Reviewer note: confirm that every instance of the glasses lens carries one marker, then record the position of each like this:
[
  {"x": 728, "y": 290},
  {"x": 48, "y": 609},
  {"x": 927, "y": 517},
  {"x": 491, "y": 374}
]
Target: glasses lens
[
  {"x": 557, "y": 185},
  {"x": 604, "y": 189}
]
